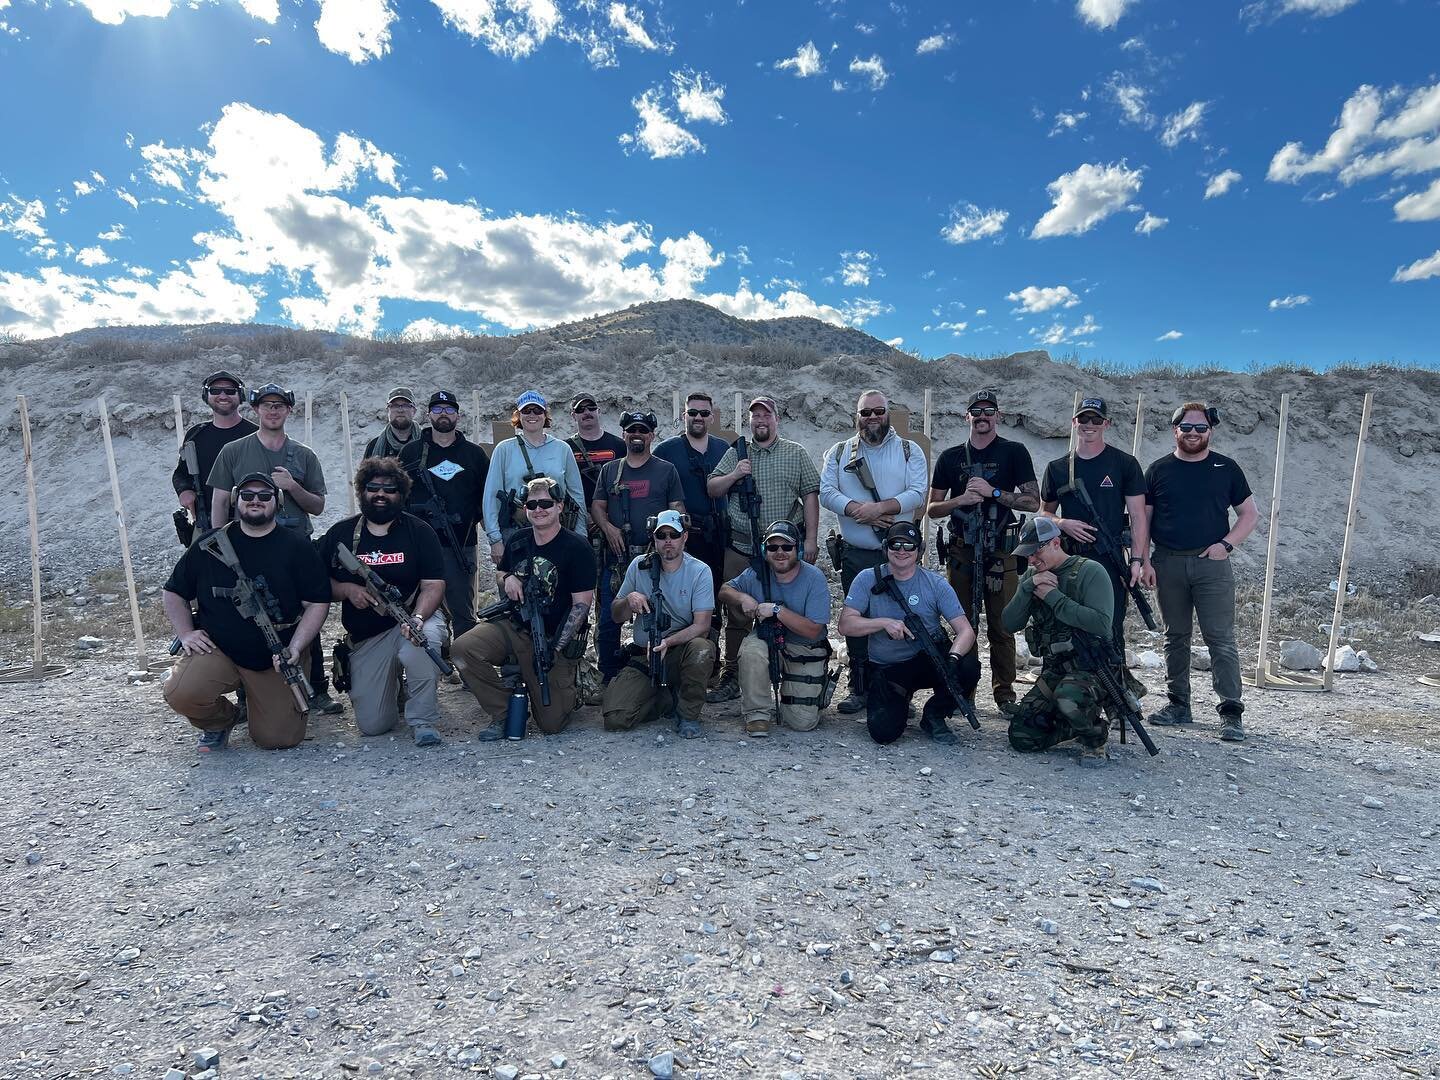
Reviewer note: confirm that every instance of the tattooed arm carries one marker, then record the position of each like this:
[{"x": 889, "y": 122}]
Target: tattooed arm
[
  {"x": 579, "y": 612},
  {"x": 1027, "y": 499}
]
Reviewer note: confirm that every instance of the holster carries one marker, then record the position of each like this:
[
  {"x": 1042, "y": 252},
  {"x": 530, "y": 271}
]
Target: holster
[
  {"x": 835, "y": 546},
  {"x": 340, "y": 663}
]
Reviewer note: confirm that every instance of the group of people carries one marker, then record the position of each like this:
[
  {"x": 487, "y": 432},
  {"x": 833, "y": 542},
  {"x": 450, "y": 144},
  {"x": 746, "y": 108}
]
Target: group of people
[{"x": 676, "y": 541}]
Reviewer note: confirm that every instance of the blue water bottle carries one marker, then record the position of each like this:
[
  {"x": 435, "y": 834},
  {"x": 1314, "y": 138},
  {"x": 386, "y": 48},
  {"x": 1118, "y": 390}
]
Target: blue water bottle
[{"x": 517, "y": 711}]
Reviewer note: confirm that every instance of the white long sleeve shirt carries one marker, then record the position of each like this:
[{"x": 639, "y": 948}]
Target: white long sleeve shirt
[{"x": 895, "y": 476}]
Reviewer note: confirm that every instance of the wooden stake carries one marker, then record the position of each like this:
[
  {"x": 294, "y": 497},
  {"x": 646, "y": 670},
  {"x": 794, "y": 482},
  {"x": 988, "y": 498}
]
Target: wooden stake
[
  {"x": 479, "y": 525},
  {"x": 739, "y": 419},
  {"x": 179, "y": 424},
  {"x": 34, "y": 533},
  {"x": 309, "y": 422},
  {"x": 1274, "y": 538},
  {"x": 349, "y": 452},
  {"x": 475, "y": 412},
  {"x": 926, "y": 419},
  {"x": 1139, "y": 425},
  {"x": 675, "y": 406},
  {"x": 1073, "y": 409},
  {"x": 1345, "y": 546},
  {"x": 142, "y": 657}
]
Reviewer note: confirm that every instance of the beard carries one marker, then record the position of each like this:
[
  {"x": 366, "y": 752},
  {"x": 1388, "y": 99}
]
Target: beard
[
  {"x": 401, "y": 423},
  {"x": 761, "y": 431},
  {"x": 872, "y": 434},
  {"x": 382, "y": 513},
  {"x": 635, "y": 446},
  {"x": 443, "y": 424},
  {"x": 698, "y": 426},
  {"x": 1189, "y": 445}
]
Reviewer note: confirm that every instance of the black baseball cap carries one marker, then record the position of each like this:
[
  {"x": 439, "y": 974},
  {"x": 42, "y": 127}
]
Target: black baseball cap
[
  {"x": 582, "y": 399},
  {"x": 1095, "y": 405},
  {"x": 983, "y": 396},
  {"x": 443, "y": 397},
  {"x": 904, "y": 530},
  {"x": 636, "y": 417},
  {"x": 258, "y": 478},
  {"x": 784, "y": 529}
]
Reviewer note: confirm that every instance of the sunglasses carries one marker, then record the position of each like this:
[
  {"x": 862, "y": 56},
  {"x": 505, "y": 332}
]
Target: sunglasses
[
  {"x": 901, "y": 545},
  {"x": 539, "y": 504},
  {"x": 388, "y": 489},
  {"x": 446, "y": 410},
  {"x": 585, "y": 408},
  {"x": 256, "y": 496},
  {"x": 988, "y": 410},
  {"x": 274, "y": 405},
  {"x": 697, "y": 412},
  {"x": 873, "y": 412},
  {"x": 228, "y": 391},
  {"x": 532, "y": 410},
  {"x": 1090, "y": 418},
  {"x": 638, "y": 430},
  {"x": 407, "y": 405},
  {"x": 667, "y": 534},
  {"x": 779, "y": 547},
  {"x": 1187, "y": 428}
]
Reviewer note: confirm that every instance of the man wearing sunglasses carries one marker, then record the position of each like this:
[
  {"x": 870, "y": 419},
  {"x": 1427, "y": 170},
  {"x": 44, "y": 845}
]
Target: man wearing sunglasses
[
  {"x": 564, "y": 569},
  {"x": 987, "y": 477},
  {"x": 685, "y": 651},
  {"x": 898, "y": 665},
  {"x": 533, "y": 453},
  {"x": 628, "y": 494},
  {"x": 594, "y": 447},
  {"x": 400, "y": 425},
  {"x": 226, "y": 651},
  {"x": 798, "y": 602},
  {"x": 222, "y": 392},
  {"x": 869, "y": 482},
  {"x": 447, "y": 491},
  {"x": 404, "y": 551},
  {"x": 1189, "y": 495}
]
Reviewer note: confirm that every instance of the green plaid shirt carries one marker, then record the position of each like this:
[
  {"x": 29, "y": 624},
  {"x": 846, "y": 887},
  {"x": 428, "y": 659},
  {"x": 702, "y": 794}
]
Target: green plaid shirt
[{"x": 783, "y": 474}]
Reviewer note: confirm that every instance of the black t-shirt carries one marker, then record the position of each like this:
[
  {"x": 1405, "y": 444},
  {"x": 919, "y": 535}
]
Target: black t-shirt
[
  {"x": 405, "y": 556},
  {"x": 1005, "y": 464},
  {"x": 694, "y": 469},
  {"x": 286, "y": 561},
  {"x": 1192, "y": 499},
  {"x": 652, "y": 487},
  {"x": 457, "y": 473},
  {"x": 601, "y": 452},
  {"x": 1109, "y": 477},
  {"x": 208, "y": 440},
  {"x": 573, "y": 562}
]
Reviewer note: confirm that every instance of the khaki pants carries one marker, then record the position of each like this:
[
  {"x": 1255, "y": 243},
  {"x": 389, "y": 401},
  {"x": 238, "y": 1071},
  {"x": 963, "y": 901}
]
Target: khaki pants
[
  {"x": 375, "y": 666},
  {"x": 630, "y": 699},
  {"x": 757, "y": 693},
  {"x": 1001, "y": 582},
  {"x": 737, "y": 623},
  {"x": 479, "y": 655},
  {"x": 197, "y": 684}
]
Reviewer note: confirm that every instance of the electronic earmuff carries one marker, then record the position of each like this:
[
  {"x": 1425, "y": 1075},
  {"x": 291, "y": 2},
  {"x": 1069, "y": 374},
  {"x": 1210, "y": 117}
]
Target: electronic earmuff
[
  {"x": 1212, "y": 415},
  {"x": 235, "y": 499}
]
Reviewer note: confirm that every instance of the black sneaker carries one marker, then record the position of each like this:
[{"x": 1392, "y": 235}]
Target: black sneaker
[
  {"x": 425, "y": 735},
  {"x": 937, "y": 730},
  {"x": 212, "y": 740},
  {"x": 854, "y": 703},
  {"x": 494, "y": 733},
  {"x": 728, "y": 689},
  {"x": 1171, "y": 715}
]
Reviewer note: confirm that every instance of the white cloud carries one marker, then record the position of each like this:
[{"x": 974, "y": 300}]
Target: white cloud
[
  {"x": 969, "y": 223},
  {"x": 659, "y": 134},
  {"x": 83, "y": 188},
  {"x": 859, "y": 311},
  {"x": 1132, "y": 100},
  {"x": 1034, "y": 299},
  {"x": 1356, "y": 126},
  {"x": 1317, "y": 7},
  {"x": 265, "y": 10},
  {"x": 933, "y": 43},
  {"x": 1067, "y": 121},
  {"x": 1150, "y": 223},
  {"x": 130, "y": 200},
  {"x": 422, "y": 330},
  {"x": 510, "y": 28},
  {"x": 1285, "y": 302},
  {"x": 23, "y": 219},
  {"x": 1170, "y": 335},
  {"x": 92, "y": 256},
  {"x": 1102, "y": 14},
  {"x": 1221, "y": 183},
  {"x": 630, "y": 22},
  {"x": 805, "y": 63},
  {"x": 856, "y": 268},
  {"x": 358, "y": 30},
  {"x": 1420, "y": 269},
  {"x": 872, "y": 69},
  {"x": 1421, "y": 205},
  {"x": 1084, "y": 198},
  {"x": 438, "y": 174},
  {"x": 1184, "y": 124},
  {"x": 115, "y": 232},
  {"x": 169, "y": 166},
  {"x": 697, "y": 98},
  {"x": 1059, "y": 334},
  {"x": 865, "y": 28},
  {"x": 955, "y": 328}
]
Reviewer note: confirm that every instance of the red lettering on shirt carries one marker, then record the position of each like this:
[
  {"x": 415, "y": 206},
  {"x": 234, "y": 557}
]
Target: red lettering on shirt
[
  {"x": 383, "y": 558},
  {"x": 639, "y": 489}
]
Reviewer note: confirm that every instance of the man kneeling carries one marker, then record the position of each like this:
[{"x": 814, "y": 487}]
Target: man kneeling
[
  {"x": 898, "y": 666},
  {"x": 404, "y": 552},
  {"x": 790, "y": 610},
  {"x": 249, "y": 579},
  {"x": 671, "y": 597},
  {"x": 1058, "y": 595}
]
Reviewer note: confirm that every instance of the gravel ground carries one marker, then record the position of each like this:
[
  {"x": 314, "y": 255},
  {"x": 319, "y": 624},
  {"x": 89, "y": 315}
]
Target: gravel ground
[{"x": 807, "y": 906}]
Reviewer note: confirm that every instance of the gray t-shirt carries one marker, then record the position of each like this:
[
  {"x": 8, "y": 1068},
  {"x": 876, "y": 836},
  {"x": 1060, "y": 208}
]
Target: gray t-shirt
[
  {"x": 807, "y": 592},
  {"x": 686, "y": 589},
  {"x": 929, "y": 596},
  {"x": 249, "y": 455}
]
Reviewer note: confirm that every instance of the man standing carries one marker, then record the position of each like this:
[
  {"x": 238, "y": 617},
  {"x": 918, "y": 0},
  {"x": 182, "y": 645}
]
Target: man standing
[
  {"x": 1059, "y": 595},
  {"x": 447, "y": 491},
  {"x": 533, "y": 453},
  {"x": 1190, "y": 493},
  {"x": 400, "y": 427},
  {"x": 790, "y": 607},
  {"x": 628, "y": 493},
  {"x": 869, "y": 482},
  {"x": 222, "y": 392},
  {"x": 228, "y": 651},
  {"x": 593, "y": 446},
  {"x": 694, "y": 453},
  {"x": 898, "y": 664},
  {"x": 978, "y": 486},
  {"x": 564, "y": 573},
  {"x": 765, "y": 478},
  {"x": 672, "y": 592},
  {"x": 296, "y": 472},
  {"x": 405, "y": 552}
]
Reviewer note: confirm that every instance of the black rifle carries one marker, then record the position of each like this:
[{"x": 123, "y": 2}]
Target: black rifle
[
  {"x": 1106, "y": 548},
  {"x": 387, "y": 600},
  {"x": 750, "y": 506},
  {"x": 184, "y": 527},
  {"x": 531, "y": 611},
  {"x": 885, "y": 583},
  {"x": 442, "y": 520},
  {"x": 979, "y": 530},
  {"x": 656, "y": 624},
  {"x": 1100, "y": 658}
]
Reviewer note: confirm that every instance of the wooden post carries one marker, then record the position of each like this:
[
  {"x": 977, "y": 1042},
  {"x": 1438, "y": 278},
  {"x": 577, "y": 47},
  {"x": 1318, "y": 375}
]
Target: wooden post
[
  {"x": 475, "y": 412},
  {"x": 1349, "y": 536},
  {"x": 1140, "y": 424},
  {"x": 180, "y": 424},
  {"x": 739, "y": 417},
  {"x": 480, "y": 542},
  {"x": 1073, "y": 409},
  {"x": 34, "y": 534},
  {"x": 309, "y": 422},
  {"x": 926, "y": 419},
  {"x": 142, "y": 657},
  {"x": 349, "y": 451},
  {"x": 1280, "y": 441},
  {"x": 675, "y": 406}
]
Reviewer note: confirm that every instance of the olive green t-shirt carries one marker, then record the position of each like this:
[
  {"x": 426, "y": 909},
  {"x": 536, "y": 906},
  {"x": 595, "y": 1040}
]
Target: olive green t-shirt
[{"x": 248, "y": 455}]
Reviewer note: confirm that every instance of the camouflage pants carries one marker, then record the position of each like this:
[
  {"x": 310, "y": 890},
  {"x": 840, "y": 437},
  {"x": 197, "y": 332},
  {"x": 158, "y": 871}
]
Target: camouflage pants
[{"x": 1061, "y": 705}]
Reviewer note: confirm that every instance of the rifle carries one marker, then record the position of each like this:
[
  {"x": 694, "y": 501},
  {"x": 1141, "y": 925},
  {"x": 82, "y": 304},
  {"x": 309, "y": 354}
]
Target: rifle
[
  {"x": 254, "y": 600},
  {"x": 656, "y": 624},
  {"x": 750, "y": 507},
  {"x": 885, "y": 583},
  {"x": 387, "y": 599},
  {"x": 858, "y": 467},
  {"x": 980, "y": 532},
  {"x": 442, "y": 514},
  {"x": 1108, "y": 550},
  {"x": 1100, "y": 658},
  {"x": 184, "y": 527},
  {"x": 531, "y": 611}
]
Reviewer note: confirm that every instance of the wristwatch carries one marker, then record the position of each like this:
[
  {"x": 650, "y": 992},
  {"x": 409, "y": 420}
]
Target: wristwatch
[
  {"x": 995, "y": 494},
  {"x": 1229, "y": 547}
]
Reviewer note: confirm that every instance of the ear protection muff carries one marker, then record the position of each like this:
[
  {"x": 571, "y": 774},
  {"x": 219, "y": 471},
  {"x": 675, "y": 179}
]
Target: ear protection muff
[
  {"x": 205, "y": 386},
  {"x": 650, "y": 523},
  {"x": 235, "y": 499},
  {"x": 1212, "y": 415}
]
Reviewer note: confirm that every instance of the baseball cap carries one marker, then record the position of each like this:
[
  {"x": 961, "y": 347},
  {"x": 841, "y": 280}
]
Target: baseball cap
[
  {"x": 1038, "y": 532},
  {"x": 634, "y": 417},
  {"x": 531, "y": 397},
  {"x": 1095, "y": 405},
  {"x": 668, "y": 519},
  {"x": 443, "y": 397},
  {"x": 582, "y": 399},
  {"x": 904, "y": 530},
  {"x": 767, "y": 401},
  {"x": 258, "y": 478},
  {"x": 981, "y": 396},
  {"x": 785, "y": 530},
  {"x": 400, "y": 393}
]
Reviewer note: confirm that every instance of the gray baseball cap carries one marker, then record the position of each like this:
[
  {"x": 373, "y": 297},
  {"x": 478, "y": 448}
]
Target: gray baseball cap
[{"x": 1038, "y": 532}]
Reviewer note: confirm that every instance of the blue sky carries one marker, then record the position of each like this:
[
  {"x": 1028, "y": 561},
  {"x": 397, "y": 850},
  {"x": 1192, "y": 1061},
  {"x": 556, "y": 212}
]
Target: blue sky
[{"x": 1232, "y": 182}]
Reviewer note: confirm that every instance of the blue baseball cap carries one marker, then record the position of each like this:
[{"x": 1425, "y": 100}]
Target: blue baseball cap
[{"x": 531, "y": 397}]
